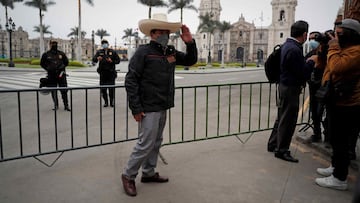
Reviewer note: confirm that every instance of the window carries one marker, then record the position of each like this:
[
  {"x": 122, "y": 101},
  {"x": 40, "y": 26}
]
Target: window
[
  {"x": 204, "y": 36},
  {"x": 240, "y": 33},
  {"x": 282, "y": 15},
  {"x": 281, "y": 35}
]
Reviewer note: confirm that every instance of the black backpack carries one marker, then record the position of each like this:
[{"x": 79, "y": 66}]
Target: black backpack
[{"x": 272, "y": 65}]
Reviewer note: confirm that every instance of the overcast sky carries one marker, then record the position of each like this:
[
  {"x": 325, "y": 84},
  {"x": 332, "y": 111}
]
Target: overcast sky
[{"x": 117, "y": 15}]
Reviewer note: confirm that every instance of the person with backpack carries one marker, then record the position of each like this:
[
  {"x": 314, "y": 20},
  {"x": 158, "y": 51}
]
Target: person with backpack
[{"x": 294, "y": 72}]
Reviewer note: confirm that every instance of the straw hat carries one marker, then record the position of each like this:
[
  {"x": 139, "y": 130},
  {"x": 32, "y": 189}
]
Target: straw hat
[{"x": 158, "y": 21}]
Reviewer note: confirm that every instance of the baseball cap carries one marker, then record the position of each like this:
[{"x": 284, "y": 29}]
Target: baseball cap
[{"x": 350, "y": 24}]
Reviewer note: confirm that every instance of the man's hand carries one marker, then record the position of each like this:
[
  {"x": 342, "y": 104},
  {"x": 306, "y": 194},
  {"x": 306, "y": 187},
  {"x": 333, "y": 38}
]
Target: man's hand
[
  {"x": 186, "y": 35},
  {"x": 99, "y": 58},
  {"x": 138, "y": 117},
  {"x": 108, "y": 59}
]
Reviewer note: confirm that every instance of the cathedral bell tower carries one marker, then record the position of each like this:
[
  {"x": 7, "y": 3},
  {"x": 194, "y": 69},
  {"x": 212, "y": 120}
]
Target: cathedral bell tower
[
  {"x": 283, "y": 16},
  {"x": 205, "y": 40}
]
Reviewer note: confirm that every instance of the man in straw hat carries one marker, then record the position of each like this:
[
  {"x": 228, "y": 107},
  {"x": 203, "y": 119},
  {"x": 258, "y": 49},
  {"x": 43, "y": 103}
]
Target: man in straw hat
[{"x": 150, "y": 87}]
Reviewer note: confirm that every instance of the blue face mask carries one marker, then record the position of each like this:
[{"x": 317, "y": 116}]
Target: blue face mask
[
  {"x": 105, "y": 45},
  {"x": 313, "y": 44}
]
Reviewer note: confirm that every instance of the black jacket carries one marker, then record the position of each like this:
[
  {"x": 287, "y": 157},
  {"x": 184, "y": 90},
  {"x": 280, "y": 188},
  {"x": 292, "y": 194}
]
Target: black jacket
[
  {"x": 150, "y": 80},
  {"x": 294, "y": 70},
  {"x": 105, "y": 66},
  {"x": 54, "y": 62}
]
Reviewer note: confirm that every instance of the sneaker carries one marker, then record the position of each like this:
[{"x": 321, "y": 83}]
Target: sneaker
[
  {"x": 325, "y": 171},
  {"x": 332, "y": 182}
]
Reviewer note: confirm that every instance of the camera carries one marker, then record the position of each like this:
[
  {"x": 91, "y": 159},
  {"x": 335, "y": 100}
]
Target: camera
[{"x": 324, "y": 37}]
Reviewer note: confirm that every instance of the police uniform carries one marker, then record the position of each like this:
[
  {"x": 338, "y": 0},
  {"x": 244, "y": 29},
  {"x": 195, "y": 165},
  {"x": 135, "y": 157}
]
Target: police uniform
[
  {"x": 107, "y": 71},
  {"x": 54, "y": 62}
]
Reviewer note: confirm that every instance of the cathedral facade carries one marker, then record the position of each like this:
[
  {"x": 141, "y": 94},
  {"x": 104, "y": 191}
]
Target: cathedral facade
[{"x": 244, "y": 42}]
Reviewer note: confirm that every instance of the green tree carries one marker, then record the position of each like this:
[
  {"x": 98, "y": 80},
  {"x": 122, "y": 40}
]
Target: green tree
[
  {"x": 75, "y": 33},
  {"x": 101, "y": 33},
  {"x": 10, "y": 4},
  {"x": 152, "y": 3},
  {"x": 79, "y": 54},
  {"x": 42, "y": 6},
  {"x": 45, "y": 29},
  {"x": 181, "y": 4},
  {"x": 128, "y": 33},
  {"x": 223, "y": 27},
  {"x": 209, "y": 26}
]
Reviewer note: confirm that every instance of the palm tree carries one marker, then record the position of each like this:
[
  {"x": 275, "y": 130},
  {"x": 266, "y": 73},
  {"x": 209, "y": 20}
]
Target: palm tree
[
  {"x": 42, "y": 6},
  {"x": 101, "y": 33},
  {"x": 128, "y": 34},
  {"x": 223, "y": 27},
  {"x": 208, "y": 25},
  {"x": 152, "y": 3},
  {"x": 10, "y": 4},
  {"x": 45, "y": 29},
  {"x": 75, "y": 33},
  {"x": 79, "y": 54},
  {"x": 181, "y": 4}
]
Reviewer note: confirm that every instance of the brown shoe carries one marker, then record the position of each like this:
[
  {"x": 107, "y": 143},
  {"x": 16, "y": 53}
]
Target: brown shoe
[
  {"x": 129, "y": 186},
  {"x": 154, "y": 179}
]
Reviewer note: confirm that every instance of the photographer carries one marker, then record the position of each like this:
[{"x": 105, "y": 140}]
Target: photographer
[
  {"x": 107, "y": 59},
  {"x": 54, "y": 62},
  {"x": 343, "y": 109}
]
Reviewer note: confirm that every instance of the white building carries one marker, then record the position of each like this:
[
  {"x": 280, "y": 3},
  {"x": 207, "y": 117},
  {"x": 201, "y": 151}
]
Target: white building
[{"x": 245, "y": 42}]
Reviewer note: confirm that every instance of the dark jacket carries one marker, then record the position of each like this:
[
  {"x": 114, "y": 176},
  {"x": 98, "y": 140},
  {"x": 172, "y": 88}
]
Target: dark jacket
[
  {"x": 54, "y": 62},
  {"x": 106, "y": 69},
  {"x": 150, "y": 80},
  {"x": 294, "y": 70}
]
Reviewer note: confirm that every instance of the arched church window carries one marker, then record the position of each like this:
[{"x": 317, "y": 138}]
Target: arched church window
[
  {"x": 204, "y": 36},
  {"x": 240, "y": 33},
  {"x": 281, "y": 35},
  {"x": 261, "y": 35}
]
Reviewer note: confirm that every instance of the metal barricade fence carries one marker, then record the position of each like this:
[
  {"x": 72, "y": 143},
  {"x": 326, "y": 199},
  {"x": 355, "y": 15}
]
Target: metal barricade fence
[{"x": 30, "y": 128}]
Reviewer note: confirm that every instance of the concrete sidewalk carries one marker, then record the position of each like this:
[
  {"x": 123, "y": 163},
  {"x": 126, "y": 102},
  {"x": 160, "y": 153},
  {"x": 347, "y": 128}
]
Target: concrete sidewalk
[{"x": 217, "y": 170}]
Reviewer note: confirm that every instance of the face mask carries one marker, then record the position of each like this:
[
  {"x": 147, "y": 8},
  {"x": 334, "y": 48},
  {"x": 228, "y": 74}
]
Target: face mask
[
  {"x": 53, "y": 47},
  {"x": 104, "y": 46},
  {"x": 163, "y": 40},
  {"x": 344, "y": 40},
  {"x": 313, "y": 44}
]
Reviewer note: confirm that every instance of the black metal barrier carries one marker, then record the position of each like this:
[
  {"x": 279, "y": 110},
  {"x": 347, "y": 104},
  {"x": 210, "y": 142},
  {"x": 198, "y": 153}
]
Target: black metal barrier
[{"x": 30, "y": 128}]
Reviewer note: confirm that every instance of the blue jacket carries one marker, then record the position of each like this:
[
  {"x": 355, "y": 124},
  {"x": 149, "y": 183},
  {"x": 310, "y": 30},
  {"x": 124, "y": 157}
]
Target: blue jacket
[{"x": 294, "y": 70}]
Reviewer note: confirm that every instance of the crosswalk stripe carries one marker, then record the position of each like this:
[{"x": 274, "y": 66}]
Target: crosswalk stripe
[{"x": 75, "y": 79}]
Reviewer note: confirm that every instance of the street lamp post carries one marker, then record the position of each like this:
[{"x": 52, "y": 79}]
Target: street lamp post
[
  {"x": 2, "y": 47},
  {"x": 72, "y": 48},
  {"x": 10, "y": 27},
  {"x": 93, "y": 43}
]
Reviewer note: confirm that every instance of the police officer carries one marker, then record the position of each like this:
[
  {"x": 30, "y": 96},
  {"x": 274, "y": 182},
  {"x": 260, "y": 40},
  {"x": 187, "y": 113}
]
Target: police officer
[
  {"x": 107, "y": 59},
  {"x": 54, "y": 62}
]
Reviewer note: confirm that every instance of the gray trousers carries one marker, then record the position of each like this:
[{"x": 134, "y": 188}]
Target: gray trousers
[
  {"x": 146, "y": 150},
  {"x": 285, "y": 124}
]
